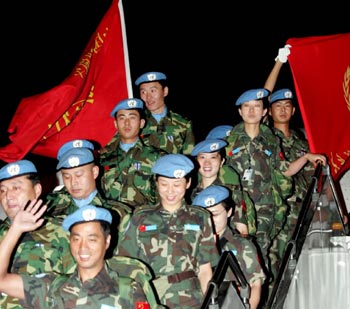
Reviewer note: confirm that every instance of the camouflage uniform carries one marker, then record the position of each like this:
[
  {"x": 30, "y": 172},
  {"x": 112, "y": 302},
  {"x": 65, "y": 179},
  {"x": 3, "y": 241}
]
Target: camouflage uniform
[
  {"x": 246, "y": 254},
  {"x": 266, "y": 186},
  {"x": 41, "y": 251},
  {"x": 62, "y": 204},
  {"x": 229, "y": 178},
  {"x": 127, "y": 176},
  {"x": 173, "y": 134},
  {"x": 107, "y": 289},
  {"x": 172, "y": 243},
  {"x": 294, "y": 147}
]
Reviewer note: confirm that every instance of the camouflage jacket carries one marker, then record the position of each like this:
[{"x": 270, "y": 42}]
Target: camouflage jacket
[
  {"x": 106, "y": 290},
  {"x": 294, "y": 147},
  {"x": 229, "y": 178},
  {"x": 173, "y": 134},
  {"x": 172, "y": 243},
  {"x": 127, "y": 176},
  {"x": 62, "y": 204},
  {"x": 41, "y": 251},
  {"x": 245, "y": 252},
  {"x": 265, "y": 184}
]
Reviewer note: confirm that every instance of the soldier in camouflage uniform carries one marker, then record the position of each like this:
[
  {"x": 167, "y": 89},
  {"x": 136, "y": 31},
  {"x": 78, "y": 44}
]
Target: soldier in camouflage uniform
[
  {"x": 43, "y": 250},
  {"x": 126, "y": 160},
  {"x": 76, "y": 163},
  {"x": 254, "y": 152},
  {"x": 210, "y": 156},
  {"x": 175, "y": 239},
  {"x": 294, "y": 146},
  {"x": 165, "y": 130},
  {"x": 218, "y": 201},
  {"x": 94, "y": 284}
]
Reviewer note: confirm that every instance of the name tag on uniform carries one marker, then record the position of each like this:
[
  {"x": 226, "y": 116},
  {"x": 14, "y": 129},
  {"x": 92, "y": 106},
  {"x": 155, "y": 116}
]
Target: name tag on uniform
[{"x": 248, "y": 174}]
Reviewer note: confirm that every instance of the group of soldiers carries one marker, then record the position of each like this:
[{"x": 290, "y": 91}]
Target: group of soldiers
[{"x": 142, "y": 221}]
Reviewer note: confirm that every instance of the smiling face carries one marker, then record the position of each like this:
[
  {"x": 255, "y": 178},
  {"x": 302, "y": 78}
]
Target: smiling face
[
  {"x": 172, "y": 191},
  {"x": 16, "y": 192},
  {"x": 209, "y": 164},
  {"x": 88, "y": 246}
]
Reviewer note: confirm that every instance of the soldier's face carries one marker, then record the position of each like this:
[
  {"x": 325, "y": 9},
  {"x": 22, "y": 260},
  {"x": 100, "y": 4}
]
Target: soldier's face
[
  {"x": 209, "y": 164},
  {"x": 172, "y": 191},
  {"x": 88, "y": 246},
  {"x": 252, "y": 111},
  {"x": 80, "y": 181},
  {"x": 15, "y": 194}
]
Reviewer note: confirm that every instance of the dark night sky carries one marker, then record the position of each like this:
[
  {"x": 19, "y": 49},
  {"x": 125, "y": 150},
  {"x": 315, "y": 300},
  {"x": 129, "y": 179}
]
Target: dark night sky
[{"x": 211, "y": 51}]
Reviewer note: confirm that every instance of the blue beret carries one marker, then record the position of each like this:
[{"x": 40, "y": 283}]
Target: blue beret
[
  {"x": 85, "y": 214},
  {"x": 18, "y": 168},
  {"x": 221, "y": 131},
  {"x": 150, "y": 77},
  {"x": 252, "y": 94},
  {"x": 75, "y": 157},
  {"x": 77, "y": 143},
  {"x": 208, "y": 145},
  {"x": 211, "y": 196},
  {"x": 173, "y": 166},
  {"x": 131, "y": 103},
  {"x": 282, "y": 94}
]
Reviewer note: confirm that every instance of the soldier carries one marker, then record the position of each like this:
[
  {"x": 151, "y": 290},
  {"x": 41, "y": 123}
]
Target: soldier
[
  {"x": 92, "y": 285},
  {"x": 43, "y": 250},
  {"x": 255, "y": 153},
  {"x": 294, "y": 146},
  {"x": 126, "y": 160},
  {"x": 174, "y": 239},
  {"x": 79, "y": 173},
  {"x": 210, "y": 156},
  {"x": 165, "y": 130},
  {"x": 217, "y": 200}
]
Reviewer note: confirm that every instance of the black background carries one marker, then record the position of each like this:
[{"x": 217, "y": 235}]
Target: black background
[{"x": 211, "y": 51}]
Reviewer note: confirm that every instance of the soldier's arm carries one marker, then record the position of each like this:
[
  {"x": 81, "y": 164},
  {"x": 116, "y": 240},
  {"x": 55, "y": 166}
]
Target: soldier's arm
[{"x": 25, "y": 220}]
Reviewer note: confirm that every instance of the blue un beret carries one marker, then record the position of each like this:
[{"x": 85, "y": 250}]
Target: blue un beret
[
  {"x": 85, "y": 214},
  {"x": 211, "y": 196},
  {"x": 221, "y": 131},
  {"x": 282, "y": 94},
  {"x": 131, "y": 103},
  {"x": 18, "y": 168},
  {"x": 252, "y": 94},
  {"x": 208, "y": 145},
  {"x": 150, "y": 77},
  {"x": 77, "y": 143},
  {"x": 173, "y": 166},
  {"x": 75, "y": 157}
]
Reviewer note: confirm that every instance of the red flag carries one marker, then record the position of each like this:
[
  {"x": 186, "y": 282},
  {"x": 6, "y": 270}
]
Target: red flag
[
  {"x": 321, "y": 72},
  {"x": 78, "y": 108}
]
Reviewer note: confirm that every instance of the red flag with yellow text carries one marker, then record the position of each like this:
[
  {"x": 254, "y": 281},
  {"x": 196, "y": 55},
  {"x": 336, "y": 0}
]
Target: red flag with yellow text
[
  {"x": 321, "y": 71},
  {"x": 78, "y": 108}
]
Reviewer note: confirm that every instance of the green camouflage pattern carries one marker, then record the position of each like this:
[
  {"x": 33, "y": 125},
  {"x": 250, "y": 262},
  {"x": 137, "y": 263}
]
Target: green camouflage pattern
[
  {"x": 267, "y": 187},
  {"x": 243, "y": 204},
  {"x": 127, "y": 176},
  {"x": 44, "y": 250},
  {"x": 173, "y": 134},
  {"x": 172, "y": 243},
  {"x": 62, "y": 204},
  {"x": 106, "y": 290},
  {"x": 294, "y": 147},
  {"x": 139, "y": 271},
  {"x": 246, "y": 254}
]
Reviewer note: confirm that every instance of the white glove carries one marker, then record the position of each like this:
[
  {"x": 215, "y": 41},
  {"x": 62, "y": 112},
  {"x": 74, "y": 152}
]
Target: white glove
[{"x": 283, "y": 53}]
